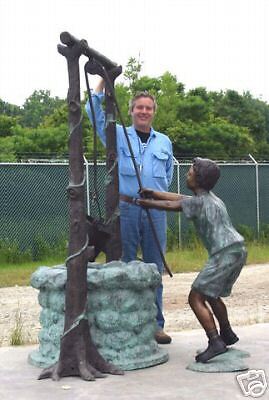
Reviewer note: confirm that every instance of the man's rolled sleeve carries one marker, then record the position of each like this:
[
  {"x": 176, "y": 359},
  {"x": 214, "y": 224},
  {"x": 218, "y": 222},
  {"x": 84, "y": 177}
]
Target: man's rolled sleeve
[{"x": 170, "y": 166}]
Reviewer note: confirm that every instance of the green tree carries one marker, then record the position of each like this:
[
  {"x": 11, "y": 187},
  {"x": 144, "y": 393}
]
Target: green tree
[
  {"x": 9, "y": 109},
  {"x": 244, "y": 110},
  {"x": 7, "y": 150},
  {"x": 58, "y": 116},
  {"x": 193, "y": 108},
  {"x": 167, "y": 101},
  {"x": 123, "y": 96},
  {"x": 216, "y": 124},
  {"x": 37, "y": 106},
  {"x": 147, "y": 84},
  {"x": 201, "y": 92},
  {"x": 7, "y": 125},
  {"x": 41, "y": 141},
  {"x": 217, "y": 139},
  {"x": 132, "y": 71}
]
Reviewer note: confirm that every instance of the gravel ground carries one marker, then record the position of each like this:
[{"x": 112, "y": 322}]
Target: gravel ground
[{"x": 248, "y": 304}]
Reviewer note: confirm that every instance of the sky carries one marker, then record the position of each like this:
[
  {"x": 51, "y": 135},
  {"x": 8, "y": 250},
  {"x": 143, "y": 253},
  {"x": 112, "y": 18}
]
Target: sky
[{"x": 217, "y": 44}]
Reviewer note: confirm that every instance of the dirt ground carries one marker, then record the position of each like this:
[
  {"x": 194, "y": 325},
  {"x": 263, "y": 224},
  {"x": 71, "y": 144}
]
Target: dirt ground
[{"x": 248, "y": 304}]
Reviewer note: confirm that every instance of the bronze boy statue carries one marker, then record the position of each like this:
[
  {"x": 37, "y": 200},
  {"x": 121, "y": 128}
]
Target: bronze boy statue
[{"x": 225, "y": 246}]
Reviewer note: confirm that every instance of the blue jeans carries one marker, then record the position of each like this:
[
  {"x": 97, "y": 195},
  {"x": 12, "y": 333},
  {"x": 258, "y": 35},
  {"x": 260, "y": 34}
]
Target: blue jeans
[{"x": 135, "y": 232}]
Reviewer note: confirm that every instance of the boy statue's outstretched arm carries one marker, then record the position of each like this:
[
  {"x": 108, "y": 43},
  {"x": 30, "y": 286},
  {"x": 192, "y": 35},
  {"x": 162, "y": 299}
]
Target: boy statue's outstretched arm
[
  {"x": 169, "y": 205},
  {"x": 146, "y": 193}
]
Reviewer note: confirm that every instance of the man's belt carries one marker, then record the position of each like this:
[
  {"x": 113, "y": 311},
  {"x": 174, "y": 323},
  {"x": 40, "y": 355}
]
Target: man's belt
[{"x": 128, "y": 199}]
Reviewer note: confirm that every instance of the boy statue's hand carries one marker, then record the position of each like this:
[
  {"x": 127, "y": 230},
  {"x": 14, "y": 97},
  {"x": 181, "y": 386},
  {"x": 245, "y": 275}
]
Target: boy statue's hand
[{"x": 146, "y": 193}]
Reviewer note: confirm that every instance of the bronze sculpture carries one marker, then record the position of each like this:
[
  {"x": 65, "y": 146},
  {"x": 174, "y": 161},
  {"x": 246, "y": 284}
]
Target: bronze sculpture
[{"x": 78, "y": 354}]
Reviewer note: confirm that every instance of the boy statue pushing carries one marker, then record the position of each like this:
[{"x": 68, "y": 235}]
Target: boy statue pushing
[{"x": 225, "y": 246}]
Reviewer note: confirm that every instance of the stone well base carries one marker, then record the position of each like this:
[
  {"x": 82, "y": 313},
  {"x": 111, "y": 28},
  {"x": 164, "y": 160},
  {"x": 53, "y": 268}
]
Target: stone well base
[{"x": 121, "y": 312}]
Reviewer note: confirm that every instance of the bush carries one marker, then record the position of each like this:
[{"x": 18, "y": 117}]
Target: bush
[
  {"x": 172, "y": 239},
  {"x": 190, "y": 239},
  {"x": 10, "y": 253},
  {"x": 42, "y": 249},
  {"x": 247, "y": 232},
  {"x": 264, "y": 233}
]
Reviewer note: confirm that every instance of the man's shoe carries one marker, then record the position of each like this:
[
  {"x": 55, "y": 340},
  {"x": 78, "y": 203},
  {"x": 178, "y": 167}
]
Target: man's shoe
[
  {"x": 215, "y": 347},
  {"x": 228, "y": 336},
  {"x": 162, "y": 338}
]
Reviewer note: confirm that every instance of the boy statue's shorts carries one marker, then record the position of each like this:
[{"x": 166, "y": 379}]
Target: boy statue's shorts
[{"x": 221, "y": 271}]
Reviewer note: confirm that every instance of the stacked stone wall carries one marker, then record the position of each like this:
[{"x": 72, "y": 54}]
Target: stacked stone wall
[{"x": 120, "y": 309}]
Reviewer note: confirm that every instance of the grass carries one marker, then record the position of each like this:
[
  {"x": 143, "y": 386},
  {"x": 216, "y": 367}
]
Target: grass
[
  {"x": 19, "y": 273},
  {"x": 179, "y": 260},
  {"x": 187, "y": 260},
  {"x": 257, "y": 253},
  {"x": 12, "y": 274},
  {"x": 16, "y": 336}
]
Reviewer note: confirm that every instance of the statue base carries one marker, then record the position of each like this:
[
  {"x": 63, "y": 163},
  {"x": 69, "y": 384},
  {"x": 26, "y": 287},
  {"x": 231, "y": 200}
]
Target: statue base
[
  {"x": 231, "y": 361},
  {"x": 121, "y": 312}
]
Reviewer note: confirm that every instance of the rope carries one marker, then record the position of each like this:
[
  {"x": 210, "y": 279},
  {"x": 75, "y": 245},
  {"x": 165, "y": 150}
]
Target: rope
[{"x": 95, "y": 194}]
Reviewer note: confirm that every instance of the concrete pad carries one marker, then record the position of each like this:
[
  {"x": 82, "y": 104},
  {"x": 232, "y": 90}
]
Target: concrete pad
[{"x": 18, "y": 379}]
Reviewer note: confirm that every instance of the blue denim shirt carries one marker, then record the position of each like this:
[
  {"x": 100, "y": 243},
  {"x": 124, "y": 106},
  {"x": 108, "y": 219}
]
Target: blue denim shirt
[{"x": 155, "y": 162}]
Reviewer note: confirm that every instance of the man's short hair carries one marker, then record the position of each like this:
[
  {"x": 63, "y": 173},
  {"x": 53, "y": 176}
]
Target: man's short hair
[
  {"x": 207, "y": 172},
  {"x": 138, "y": 96}
]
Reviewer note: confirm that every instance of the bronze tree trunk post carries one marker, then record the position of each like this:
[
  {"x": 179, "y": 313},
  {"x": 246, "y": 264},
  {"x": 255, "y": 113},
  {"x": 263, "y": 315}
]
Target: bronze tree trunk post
[{"x": 78, "y": 354}]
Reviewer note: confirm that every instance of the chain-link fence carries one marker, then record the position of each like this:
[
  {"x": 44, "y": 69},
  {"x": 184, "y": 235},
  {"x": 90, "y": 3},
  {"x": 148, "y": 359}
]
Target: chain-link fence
[
  {"x": 244, "y": 188},
  {"x": 34, "y": 204}
]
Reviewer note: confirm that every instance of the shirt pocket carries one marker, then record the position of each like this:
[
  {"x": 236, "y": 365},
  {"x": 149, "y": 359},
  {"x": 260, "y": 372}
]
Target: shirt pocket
[
  {"x": 126, "y": 165},
  {"x": 159, "y": 160}
]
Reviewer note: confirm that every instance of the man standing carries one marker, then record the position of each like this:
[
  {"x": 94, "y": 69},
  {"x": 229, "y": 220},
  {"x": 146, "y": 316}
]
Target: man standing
[{"x": 154, "y": 158}]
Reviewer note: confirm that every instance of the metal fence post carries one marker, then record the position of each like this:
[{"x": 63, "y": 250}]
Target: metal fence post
[{"x": 257, "y": 193}]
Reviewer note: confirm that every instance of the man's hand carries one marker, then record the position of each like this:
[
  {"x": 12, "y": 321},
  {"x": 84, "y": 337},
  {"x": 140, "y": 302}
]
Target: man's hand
[{"x": 146, "y": 193}]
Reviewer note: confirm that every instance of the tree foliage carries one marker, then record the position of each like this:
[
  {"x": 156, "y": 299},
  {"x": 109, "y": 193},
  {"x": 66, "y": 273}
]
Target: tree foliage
[
  {"x": 41, "y": 141},
  {"x": 9, "y": 109},
  {"x": 220, "y": 125},
  {"x": 37, "y": 106},
  {"x": 217, "y": 139},
  {"x": 132, "y": 70},
  {"x": 7, "y": 125},
  {"x": 7, "y": 151}
]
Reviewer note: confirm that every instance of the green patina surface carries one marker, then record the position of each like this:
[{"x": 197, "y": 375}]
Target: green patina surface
[
  {"x": 121, "y": 312},
  {"x": 231, "y": 361}
]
